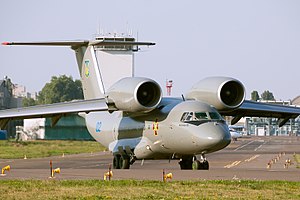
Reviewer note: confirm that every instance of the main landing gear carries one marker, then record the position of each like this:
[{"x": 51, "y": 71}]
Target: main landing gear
[
  {"x": 123, "y": 159},
  {"x": 191, "y": 162},
  {"x": 121, "y": 162}
]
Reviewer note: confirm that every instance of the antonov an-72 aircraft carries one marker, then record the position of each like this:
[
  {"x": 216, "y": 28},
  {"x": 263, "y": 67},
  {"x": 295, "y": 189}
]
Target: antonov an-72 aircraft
[{"x": 129, "y": 116}]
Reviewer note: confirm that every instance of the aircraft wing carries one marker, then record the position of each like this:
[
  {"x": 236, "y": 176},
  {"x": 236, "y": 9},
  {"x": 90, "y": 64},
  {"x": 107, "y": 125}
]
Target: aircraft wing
[
  {"x": 258, "y": 109},
  {"x": 55, "y": 111}
]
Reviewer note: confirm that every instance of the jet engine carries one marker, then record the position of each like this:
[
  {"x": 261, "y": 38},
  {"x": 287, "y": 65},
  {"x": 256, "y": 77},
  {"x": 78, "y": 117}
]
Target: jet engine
[
  {"x": 134, "y": 94},
  {"x": 222, "y": 92}
]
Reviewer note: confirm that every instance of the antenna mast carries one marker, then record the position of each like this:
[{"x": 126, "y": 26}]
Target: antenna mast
[{"x": 169, "y": 85}]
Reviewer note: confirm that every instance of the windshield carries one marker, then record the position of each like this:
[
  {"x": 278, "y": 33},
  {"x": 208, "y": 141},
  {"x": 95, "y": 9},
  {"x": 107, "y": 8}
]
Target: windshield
[
  {"x": 200, "y": 116},
  {"x": 215, "y": 115}
]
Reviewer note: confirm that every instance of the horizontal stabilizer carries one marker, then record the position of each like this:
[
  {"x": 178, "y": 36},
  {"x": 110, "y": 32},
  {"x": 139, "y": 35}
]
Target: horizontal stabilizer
[
  {"x": 120, "y": 43},
  {"x": 82, "y": 43},
  {"x": 54, "y": 43}
]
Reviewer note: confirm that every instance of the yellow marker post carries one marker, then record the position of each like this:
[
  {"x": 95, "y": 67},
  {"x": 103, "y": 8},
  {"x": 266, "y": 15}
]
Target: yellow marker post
[
  {"x": 6, "y": 168},
  {"x": 167, "y": 176},
  {"x": 55, "y": 171},
  {"x": 108, "y": 174}
]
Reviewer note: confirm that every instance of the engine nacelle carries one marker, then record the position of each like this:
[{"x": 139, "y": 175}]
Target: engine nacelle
[
  {"x": 134, "y": 94},
  {"x": 222, "y": 92}
]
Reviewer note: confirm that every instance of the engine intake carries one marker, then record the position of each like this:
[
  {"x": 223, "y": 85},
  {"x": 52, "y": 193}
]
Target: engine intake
[
  {"x": 134, "y": 94},
  {"x": 222, "y": 92}
]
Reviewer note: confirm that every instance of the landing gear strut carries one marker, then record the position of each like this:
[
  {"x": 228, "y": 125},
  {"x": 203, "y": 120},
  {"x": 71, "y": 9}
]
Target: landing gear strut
[{"x": 193, "y": 163}]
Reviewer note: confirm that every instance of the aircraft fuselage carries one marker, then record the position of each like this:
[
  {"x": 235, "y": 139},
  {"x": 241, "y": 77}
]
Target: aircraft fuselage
[{"x": 166, "y": 132}]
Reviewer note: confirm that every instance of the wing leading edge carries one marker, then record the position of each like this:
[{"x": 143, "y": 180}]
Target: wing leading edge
[
  {"x": 55, "y": 111},
  {"x": 258, "y": 109}
]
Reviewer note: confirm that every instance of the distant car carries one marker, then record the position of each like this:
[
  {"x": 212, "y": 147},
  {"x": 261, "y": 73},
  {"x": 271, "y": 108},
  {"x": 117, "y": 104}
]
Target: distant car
[{"x": 234, "y": 134}]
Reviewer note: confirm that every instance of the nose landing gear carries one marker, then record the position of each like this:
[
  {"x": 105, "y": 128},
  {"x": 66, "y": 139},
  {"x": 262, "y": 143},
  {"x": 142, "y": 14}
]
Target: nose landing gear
[
  {"x": 191, "y": 162},
  {"x": 202, "y": 164}
]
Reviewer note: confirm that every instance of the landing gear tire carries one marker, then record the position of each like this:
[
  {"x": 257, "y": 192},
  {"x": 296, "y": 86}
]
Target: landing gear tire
[
  {"x": 124, "y": 163},
  {"x": 186, "y": 163},
  {"x": 116, "y": 162},
  {"x": 196, "y": 165},
  {"x": 120, "y": 162},
  {"x": 205, "y": 165}
]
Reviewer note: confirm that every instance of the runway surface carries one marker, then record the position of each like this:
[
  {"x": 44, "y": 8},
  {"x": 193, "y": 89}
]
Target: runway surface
[{"x": 246, "y": 158}]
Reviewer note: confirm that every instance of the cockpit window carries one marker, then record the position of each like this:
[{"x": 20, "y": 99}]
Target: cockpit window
[
  {"x": 200, "y": 116},
  {"x": 215, "y": 115},
  {"x": 187, "y": 116}
]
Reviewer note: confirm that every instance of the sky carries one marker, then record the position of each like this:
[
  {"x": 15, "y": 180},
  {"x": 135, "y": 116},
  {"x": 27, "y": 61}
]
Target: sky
[{"x": 254, "y": 41}]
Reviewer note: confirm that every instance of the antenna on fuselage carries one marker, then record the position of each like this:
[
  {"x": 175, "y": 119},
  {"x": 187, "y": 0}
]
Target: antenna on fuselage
[{"x": 182, "y": 97}]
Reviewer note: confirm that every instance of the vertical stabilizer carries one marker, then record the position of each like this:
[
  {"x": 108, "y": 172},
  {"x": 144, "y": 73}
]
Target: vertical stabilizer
[
  {"x": 104, "y": 62},
  {"x": 91, "y": 79},
  {"x": 114, "y": 65}
]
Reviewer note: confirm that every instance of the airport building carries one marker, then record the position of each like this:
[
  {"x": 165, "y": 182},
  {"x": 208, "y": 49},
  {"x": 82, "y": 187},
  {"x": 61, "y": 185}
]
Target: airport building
[
  {"x": 68, "y": 128},
  {"x": 269, "y": 126},
  {"x": 8, "y": 100},
  {"x": 71, "y": 127}
]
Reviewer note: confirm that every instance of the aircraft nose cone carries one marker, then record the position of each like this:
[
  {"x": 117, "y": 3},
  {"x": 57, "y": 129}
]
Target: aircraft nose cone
[{"x": 217, "y": 136}]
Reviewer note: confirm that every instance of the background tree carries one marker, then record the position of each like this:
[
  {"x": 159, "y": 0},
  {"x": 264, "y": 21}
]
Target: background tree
[
  {"x": 28, "y": 102},
  {"x": 254, "y": 95},
  {"x": 267, "y": 95},
  {"x": 60, "y": 89}
]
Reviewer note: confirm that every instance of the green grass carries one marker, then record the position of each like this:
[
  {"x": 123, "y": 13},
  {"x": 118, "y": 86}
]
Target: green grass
[
  {"x": 45, "y": 148},
  {"x": 133, "y": 189}
]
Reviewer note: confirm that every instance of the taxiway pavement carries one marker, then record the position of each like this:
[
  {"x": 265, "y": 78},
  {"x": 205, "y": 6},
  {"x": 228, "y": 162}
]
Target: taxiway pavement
[{"x": 246, "y": 158}]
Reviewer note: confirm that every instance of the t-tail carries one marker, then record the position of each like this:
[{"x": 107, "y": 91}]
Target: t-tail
[{"x": 101, "y": 62}]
